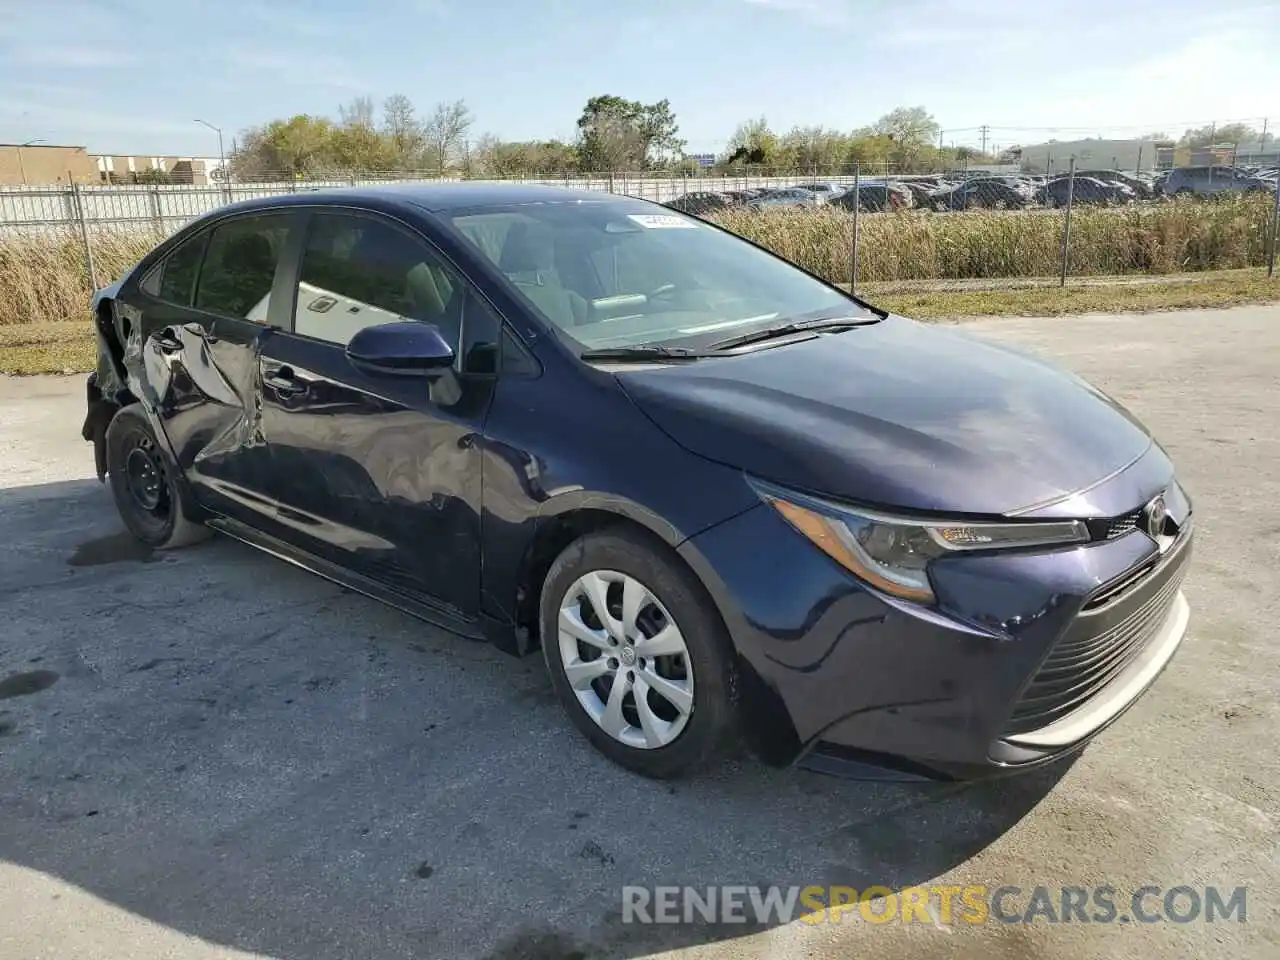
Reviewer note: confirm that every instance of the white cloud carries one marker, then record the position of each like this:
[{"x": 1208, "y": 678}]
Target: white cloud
[
  {"x": 824, "y": 13},
  {"x": 70, "y": 56},
  {"x": 253, "y": 67}
]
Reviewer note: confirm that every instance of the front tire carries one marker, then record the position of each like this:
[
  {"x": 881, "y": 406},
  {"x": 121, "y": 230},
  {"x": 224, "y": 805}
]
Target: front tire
[
  {"x": 637, "y": 654},
  {"x": 142, "y": 483}
]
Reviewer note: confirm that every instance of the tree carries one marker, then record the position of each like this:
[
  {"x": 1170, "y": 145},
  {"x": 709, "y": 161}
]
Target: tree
[
  {"x": 1226, "y": 133},
  {"x": 401, "y": 127},
  {"x": 355, "y": 144},
  {"x": 357, "y": 114},
  {"x": 618, "y": 134},
  {"x": 299, "y": 146},
  {"x": 152, "y": 175},
  {"x": 753, "y": 145},
  {"x": 912, "y": 130},
  {"x": 545, "y": 158},
  {"x": 445, "y": 131}
]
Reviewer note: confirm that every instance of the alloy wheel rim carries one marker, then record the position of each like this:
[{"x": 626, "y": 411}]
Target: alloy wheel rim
[{"x": 626, "y": 659}]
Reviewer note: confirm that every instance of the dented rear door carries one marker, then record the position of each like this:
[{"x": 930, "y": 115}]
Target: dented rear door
[{"x": 199, "y": 320}]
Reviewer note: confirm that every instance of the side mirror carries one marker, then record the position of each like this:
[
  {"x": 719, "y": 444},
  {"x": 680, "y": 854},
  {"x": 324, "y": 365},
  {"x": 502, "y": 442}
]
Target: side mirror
[{"x": 405, "y": 348}]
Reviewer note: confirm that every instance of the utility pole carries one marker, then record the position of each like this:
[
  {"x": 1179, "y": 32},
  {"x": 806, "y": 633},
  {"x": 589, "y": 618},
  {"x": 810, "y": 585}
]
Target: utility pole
[
  {"x": 984, "y": 130},
  {"x": 222, "y": 155},
  {"x": 22, "y": 169},
  {"x": 1262, "y": 141}
]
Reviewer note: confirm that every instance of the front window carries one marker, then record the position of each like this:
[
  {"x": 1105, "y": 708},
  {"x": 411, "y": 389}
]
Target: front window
[{"x": 619, "y": 275}]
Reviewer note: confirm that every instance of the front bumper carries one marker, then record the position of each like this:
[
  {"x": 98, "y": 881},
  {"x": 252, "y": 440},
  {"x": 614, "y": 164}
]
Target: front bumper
[{"x": 1026, "y": 658}]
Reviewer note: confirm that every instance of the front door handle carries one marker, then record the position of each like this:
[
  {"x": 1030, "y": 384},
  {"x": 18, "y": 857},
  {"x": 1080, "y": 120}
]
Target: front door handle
[{"x": 283, "y": 382}]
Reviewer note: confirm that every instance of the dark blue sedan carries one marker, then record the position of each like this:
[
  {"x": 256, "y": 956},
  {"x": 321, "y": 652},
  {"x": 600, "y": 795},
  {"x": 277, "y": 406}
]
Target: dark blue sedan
[{"x": 727, "y": 500}]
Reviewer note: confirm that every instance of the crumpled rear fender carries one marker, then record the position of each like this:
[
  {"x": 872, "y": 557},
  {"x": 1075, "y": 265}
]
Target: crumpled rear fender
[{"x": 120, "y": 380}]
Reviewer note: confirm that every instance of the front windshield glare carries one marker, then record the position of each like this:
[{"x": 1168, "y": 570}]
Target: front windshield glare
[{"x": 617, "y": 275}]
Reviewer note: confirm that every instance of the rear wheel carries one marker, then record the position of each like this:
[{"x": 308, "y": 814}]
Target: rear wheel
[
  {"x": 637, "y": 654},
  {"x": 143, "y": 486}
]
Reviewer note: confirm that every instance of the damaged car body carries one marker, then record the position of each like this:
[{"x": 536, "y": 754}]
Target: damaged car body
[{"x": 724, "y": 498}]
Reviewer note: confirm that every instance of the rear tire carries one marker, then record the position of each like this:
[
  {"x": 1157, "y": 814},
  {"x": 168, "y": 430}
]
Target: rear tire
[
  {"x": 142, "y": 483},
  {"x": 654, "y": 684}
]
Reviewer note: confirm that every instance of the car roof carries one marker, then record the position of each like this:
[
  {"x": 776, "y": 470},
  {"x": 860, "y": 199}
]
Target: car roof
[{"x": 439, "y": 197}]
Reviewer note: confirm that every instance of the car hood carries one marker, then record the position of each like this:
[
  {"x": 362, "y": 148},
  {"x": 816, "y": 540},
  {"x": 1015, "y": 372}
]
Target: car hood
[{"x": 897, "y": 414}]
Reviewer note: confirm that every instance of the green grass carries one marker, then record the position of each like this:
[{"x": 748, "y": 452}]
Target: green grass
[
  {"x": 60, "y": 346},
  {"x": 1230, "y": 289}
]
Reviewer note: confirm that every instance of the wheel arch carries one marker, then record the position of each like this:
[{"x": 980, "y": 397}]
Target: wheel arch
[{"x": 557, "y": 529}]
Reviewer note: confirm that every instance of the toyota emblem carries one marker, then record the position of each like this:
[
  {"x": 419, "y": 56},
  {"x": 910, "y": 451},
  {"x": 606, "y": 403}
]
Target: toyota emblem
[{"x": 1156, "y": 515}]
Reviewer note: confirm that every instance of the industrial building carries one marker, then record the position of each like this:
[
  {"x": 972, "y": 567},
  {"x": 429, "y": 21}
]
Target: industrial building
[
  {"x": 1093, "y": 154},
  {"x": 37, "y": 164},
  {"x": 41, "y": 164}
]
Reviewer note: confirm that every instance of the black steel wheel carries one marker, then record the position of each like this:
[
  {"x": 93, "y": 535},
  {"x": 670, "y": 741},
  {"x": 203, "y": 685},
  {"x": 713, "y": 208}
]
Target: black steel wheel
[{"x": 143, "y": 486}]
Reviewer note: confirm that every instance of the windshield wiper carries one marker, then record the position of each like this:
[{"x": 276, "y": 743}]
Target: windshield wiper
[
  {"x": 641, "y": 354},
  {"x": 798, "y": 326}
]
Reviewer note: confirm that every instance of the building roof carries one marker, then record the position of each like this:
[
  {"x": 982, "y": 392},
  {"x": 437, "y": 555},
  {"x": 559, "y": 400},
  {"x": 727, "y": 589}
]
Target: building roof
[{"x": 46, "y": 146}]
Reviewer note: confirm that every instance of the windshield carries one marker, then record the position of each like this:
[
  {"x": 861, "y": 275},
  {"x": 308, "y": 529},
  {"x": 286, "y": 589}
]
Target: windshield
[{"x": 612, "y": 275}]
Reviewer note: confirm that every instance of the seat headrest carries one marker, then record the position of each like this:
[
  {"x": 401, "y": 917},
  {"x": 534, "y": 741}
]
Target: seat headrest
[{"x": 525, "y": 252}]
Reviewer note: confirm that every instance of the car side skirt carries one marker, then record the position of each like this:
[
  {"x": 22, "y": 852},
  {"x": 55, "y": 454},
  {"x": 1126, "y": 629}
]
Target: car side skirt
[{"x": 423, "y": 609}]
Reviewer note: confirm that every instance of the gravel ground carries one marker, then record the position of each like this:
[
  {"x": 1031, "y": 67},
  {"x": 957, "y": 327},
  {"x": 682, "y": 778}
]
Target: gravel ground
[{"x": 214, "y": 754}]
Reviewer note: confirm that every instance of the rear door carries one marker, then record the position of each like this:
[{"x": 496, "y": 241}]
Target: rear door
[
  {"x": 202, "y": 313},
  {"x": 378, "y": 472}
]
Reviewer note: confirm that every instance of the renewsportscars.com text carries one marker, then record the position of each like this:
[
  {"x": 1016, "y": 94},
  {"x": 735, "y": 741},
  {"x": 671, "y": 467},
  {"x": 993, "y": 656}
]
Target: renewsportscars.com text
[{"x": 934, "y": 904}]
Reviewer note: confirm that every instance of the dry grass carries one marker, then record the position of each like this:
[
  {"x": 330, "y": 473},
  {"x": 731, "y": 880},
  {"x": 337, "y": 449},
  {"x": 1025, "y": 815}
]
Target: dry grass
[
  {"x": 44, "y": 287},
  {"x": 43, "y": 276},
  {"x": 1155, "y": 238},
  {"x": 67, "y": 346}
]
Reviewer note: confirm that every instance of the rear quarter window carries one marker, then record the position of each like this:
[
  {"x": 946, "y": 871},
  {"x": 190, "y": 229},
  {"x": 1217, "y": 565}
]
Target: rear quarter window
[{"x": 174, "y": 278}]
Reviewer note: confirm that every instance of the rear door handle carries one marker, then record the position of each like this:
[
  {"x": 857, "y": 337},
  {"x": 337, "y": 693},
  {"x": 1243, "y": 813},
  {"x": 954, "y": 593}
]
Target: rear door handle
[{"x": 166, "y": 341}]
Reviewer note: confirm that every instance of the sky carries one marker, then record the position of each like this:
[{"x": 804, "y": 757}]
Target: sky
[{"x": 133, "y": 76}]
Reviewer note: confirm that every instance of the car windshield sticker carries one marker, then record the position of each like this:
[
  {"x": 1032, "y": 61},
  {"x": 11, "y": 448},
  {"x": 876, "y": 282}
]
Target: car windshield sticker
[{"x": 658, "y": 221}]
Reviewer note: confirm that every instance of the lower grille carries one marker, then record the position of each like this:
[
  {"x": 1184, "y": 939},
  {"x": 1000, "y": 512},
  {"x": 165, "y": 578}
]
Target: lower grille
[{"x": 1096, "y": 649}]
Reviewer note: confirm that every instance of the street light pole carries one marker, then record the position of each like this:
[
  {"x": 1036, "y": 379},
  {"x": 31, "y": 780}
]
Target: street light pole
[
  {"x": 222, "y": 156},
  {"x": 21, "y": 169}
]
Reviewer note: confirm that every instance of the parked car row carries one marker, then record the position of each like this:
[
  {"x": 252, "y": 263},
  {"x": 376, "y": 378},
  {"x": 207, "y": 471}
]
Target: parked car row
[{"x": 962, "y": 190}]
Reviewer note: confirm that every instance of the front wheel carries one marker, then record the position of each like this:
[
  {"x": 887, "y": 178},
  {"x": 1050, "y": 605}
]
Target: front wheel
[
  {"x": 145, "y": 491},
  {"x": 637, "y": 654}
]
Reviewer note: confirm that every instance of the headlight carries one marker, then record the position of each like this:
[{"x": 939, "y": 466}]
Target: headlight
[{"x": 893, "y": 553}]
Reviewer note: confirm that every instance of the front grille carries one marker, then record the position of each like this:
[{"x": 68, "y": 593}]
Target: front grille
[
  {"x": 1119, "y": 526},
  {"x": 1098, "y": 646}
]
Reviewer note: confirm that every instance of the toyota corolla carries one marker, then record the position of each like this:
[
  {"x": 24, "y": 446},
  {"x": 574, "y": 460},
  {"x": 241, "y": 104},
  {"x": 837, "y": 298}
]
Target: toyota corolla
[{"x": 725, "y": 499}]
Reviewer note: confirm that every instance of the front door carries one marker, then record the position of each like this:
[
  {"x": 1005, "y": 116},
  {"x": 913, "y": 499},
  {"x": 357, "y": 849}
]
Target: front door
[
  {"x": 379, "y": 473},
  {"x": 201, "y": 315}
]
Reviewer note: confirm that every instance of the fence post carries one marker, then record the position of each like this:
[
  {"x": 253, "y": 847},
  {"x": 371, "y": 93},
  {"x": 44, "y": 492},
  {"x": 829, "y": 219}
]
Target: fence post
[
  {"x": 1066, "y": 226},
  {"x": 1275, "y": 233},
  {"x": 157, "y": 215},
  {"x": 78, "y": 203},
  {"x": 857, "y": 203}
]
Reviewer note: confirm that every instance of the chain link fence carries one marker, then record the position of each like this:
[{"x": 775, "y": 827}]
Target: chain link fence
[{"x": 854, "y": 225}]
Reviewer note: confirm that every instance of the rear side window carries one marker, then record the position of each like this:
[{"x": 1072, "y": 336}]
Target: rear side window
[
  {"x": 174, "y": 278},
  {"x": 240, "y": 267}
]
